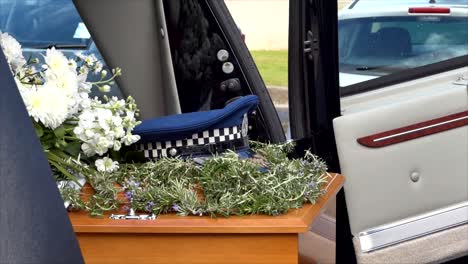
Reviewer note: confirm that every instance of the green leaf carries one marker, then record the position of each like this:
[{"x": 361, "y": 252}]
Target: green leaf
[
  {"x": 38, "y": 129},
  {"x": 45, "y": 146},
  {"x": 59, "y": 132},
  {"x": 73, "y": 148},
  {"x": 64, "y": 171},
  {"x": 69, "y": 128}
]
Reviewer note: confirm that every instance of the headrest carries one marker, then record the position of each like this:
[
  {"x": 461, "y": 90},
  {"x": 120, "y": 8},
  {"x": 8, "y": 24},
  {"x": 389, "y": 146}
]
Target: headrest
[{"x": 192, "y": 132}]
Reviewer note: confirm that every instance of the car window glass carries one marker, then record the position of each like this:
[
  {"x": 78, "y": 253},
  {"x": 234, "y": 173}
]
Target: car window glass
[
  {"x": 41, "y": 24},
  {"x": 379, "y": 38}
]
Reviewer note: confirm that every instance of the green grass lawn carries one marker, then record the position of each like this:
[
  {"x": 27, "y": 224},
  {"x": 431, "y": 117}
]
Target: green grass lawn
[{"x": 273, "y": 66}]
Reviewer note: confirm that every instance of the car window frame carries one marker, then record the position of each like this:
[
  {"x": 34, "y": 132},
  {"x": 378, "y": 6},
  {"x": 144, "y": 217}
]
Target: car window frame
[{"x": 404, "y": 76}]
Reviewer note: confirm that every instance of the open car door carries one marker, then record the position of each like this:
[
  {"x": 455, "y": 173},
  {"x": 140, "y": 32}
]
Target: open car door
[
  {"x": 404, "y": 149},
  {"x": 185, "y": 56},
  {"x": 402, "y": 143}
]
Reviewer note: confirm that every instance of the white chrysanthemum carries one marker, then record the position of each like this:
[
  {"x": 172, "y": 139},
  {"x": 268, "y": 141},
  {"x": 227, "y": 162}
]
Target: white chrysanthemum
[
  {"x": 46, "y": 105},
  {"x": 56, "y": 61},
  {"x": 12, "y": 50},
  {"x": 106, "y": 165},
  {"x": 65, "y": 81},
  {"x": 72, "y": 64}
]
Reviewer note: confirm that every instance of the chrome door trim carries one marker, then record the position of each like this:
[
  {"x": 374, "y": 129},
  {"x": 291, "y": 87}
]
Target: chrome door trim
[{"x": 414, "y": 227}]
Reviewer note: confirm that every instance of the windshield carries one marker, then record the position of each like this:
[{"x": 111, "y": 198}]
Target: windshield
[
  {"x": 40, "y": 23},
  {"x": 383, "y": 45}
]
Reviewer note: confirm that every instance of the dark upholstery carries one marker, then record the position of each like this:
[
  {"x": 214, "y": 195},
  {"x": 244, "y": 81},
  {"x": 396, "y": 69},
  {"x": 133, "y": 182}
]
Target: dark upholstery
[{"x": 392, "y": 42}]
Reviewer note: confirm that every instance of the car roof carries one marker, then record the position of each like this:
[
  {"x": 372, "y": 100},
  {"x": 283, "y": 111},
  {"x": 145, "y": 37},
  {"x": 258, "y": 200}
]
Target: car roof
[
  {"x": 406, "y": 3},
  {"x": 365, "y": 8}
]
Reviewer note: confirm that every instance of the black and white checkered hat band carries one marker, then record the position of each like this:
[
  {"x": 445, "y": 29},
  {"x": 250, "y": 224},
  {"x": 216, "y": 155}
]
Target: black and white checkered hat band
[{"x": 169, "y": 148}]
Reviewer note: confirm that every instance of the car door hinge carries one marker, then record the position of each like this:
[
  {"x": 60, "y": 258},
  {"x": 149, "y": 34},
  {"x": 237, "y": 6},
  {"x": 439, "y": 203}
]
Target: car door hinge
[{"x": 311, "y": 45}]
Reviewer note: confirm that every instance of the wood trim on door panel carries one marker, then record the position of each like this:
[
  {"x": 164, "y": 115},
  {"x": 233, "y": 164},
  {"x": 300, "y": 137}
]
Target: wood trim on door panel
[{"x": 418, "y": 130}]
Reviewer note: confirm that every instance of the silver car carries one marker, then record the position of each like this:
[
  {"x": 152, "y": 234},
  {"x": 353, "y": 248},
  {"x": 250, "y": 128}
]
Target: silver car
[{"x": 378, "y": 37}]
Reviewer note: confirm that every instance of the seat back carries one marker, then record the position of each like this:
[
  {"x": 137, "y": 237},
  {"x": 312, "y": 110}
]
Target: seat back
[{"x": 392, "y": 42}]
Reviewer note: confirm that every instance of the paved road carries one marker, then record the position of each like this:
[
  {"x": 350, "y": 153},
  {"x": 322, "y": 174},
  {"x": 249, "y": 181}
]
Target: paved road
[
  {"x": 283, "y": 113},
  {"x": 279, "y": 96}
]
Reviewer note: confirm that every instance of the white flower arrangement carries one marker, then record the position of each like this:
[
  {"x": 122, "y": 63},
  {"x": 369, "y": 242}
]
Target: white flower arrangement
[
  {"x": 80, "y": 134},
  {"x": 77, "y": 132},
  {"x": 12, "y": 50}
]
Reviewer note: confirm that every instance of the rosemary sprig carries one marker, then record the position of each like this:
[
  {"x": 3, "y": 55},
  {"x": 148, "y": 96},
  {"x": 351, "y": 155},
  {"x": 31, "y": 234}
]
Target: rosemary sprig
[{"x": 225, "y": 185}]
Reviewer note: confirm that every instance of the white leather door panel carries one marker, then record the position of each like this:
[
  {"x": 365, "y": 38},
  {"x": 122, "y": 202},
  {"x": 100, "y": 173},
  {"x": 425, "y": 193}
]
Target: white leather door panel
[{"x": 378, "y": 187}]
